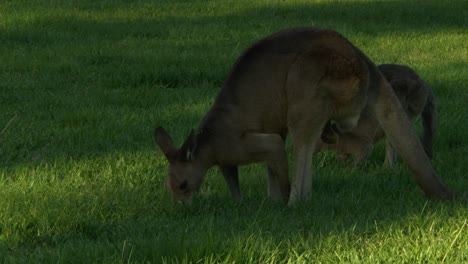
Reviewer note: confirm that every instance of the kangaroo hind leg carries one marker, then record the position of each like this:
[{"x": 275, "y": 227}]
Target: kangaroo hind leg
[{"x": 304, "y": 140}]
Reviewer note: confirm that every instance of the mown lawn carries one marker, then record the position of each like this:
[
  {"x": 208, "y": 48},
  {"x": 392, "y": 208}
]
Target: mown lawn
[{"x": 84, "y": 83}]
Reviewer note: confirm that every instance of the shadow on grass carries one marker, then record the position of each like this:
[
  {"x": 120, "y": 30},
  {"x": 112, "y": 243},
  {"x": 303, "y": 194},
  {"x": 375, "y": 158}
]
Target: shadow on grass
[{"x": 101, "y": 66}]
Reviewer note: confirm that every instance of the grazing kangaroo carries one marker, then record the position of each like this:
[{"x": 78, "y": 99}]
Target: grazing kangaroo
[
  {"x": 293, "y": 81},
  {"x": 415, "y": 96}
]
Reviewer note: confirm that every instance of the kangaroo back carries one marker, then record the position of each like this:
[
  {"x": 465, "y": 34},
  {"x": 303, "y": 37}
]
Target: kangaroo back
[{"x": 429, "y": 122}]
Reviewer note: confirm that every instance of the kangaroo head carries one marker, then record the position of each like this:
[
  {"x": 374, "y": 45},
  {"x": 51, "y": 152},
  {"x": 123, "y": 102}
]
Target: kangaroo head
[{"x": 185, "y": 173}]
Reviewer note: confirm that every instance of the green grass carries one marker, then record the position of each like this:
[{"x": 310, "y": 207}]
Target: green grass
[{"x": 84, "y": 83}]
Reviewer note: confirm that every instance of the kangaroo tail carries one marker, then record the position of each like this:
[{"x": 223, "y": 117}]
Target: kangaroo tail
[{"x": 429, "y": 122}]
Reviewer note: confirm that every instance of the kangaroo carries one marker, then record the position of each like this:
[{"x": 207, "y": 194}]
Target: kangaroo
[
  {"x": 294, "y": 81},
  {"x": 415, "y": 96}
]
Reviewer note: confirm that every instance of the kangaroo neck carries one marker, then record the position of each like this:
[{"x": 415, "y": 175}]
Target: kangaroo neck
[{"x": 214, "y": 129}]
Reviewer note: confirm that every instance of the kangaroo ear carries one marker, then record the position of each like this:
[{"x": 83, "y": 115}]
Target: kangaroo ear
[
  {"x": 164, "y": 141},
  {"x": 186, "y": 152}
]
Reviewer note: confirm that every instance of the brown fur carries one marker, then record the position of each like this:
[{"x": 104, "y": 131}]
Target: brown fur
[
  {"x": 415, "y": 96},
  {"x": 293, "y": 81}
]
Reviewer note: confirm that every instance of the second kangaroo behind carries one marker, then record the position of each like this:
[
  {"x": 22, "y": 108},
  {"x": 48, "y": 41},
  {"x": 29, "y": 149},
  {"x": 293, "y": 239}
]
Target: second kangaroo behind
[{"x": 415, "y": 96}]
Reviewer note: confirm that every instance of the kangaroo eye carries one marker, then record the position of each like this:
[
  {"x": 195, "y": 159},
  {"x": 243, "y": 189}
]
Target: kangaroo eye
[{"x": 183, "y": 185}]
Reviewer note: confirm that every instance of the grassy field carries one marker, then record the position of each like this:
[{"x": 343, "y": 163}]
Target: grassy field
[{"x": 84, "y": 83}]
